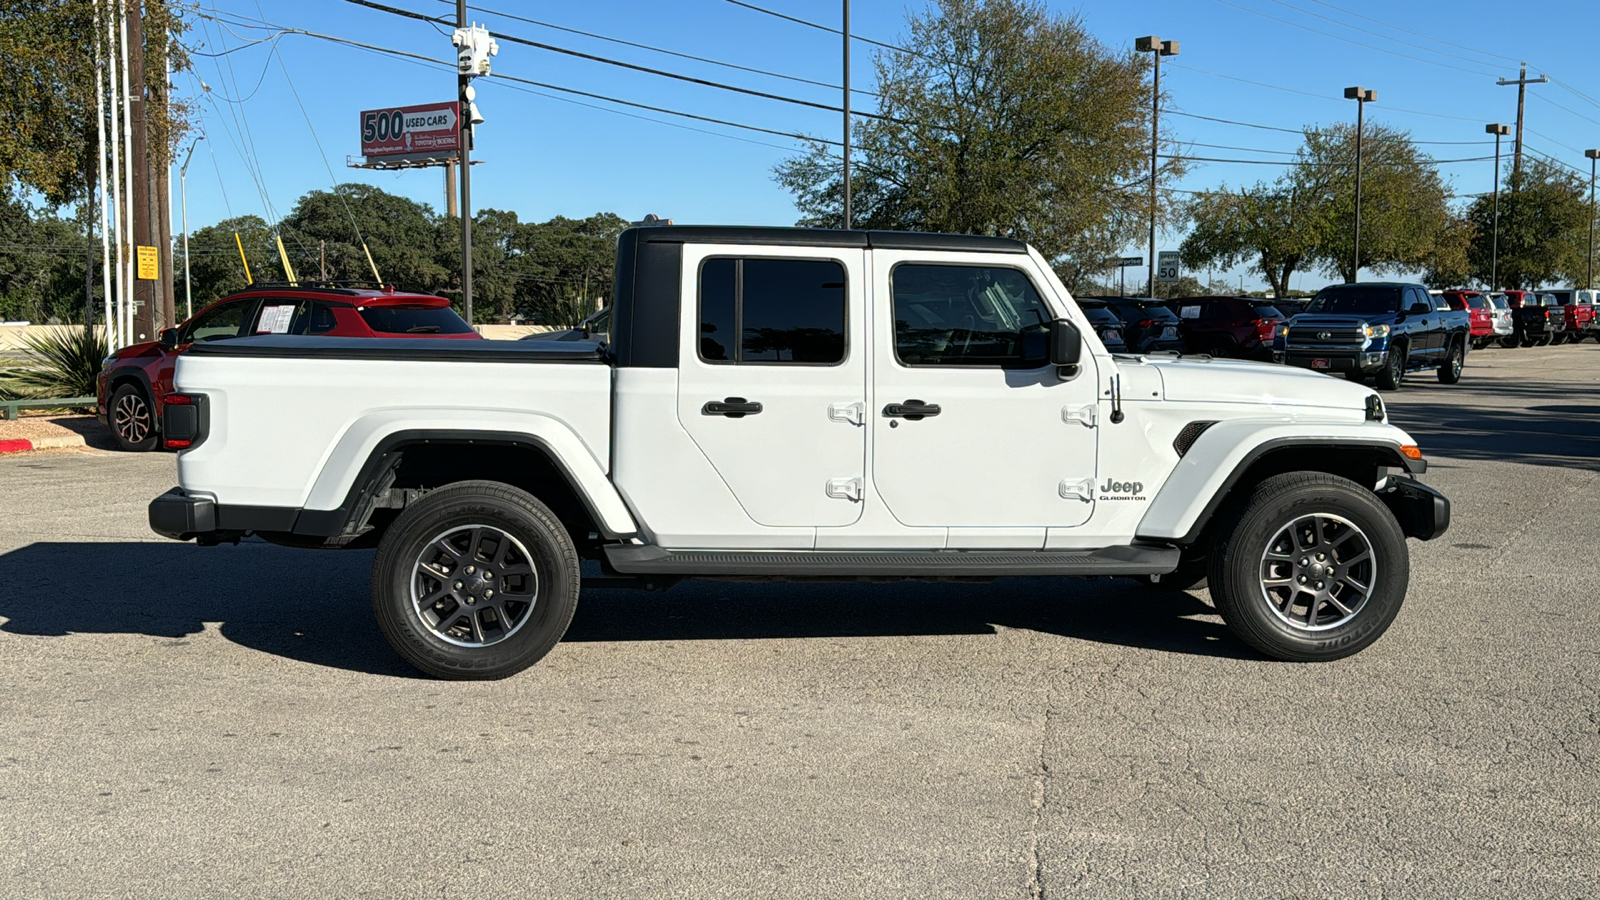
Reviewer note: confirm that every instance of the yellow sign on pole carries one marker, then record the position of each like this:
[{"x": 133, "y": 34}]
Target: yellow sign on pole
[{"x": 149, "y": 263}]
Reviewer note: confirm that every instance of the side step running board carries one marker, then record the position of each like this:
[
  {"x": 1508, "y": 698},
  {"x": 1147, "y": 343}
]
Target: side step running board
[{"x": 635, "y": 559}]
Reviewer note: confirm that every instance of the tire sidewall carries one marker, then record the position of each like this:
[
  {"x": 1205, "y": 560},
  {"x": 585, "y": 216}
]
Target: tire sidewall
[
  {"x": 554, "y": 562},
  {"x": 1238, "y": 570},
  {"x": 150, "y": 441}
]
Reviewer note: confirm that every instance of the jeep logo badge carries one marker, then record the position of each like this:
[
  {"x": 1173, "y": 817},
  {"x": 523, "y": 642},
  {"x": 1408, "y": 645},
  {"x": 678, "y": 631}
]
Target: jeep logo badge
[{"x": 1129, "y": 490}]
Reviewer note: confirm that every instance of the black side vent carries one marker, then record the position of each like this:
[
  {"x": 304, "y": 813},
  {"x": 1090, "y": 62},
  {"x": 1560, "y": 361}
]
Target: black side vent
[{"x": 1190, "y": 433}]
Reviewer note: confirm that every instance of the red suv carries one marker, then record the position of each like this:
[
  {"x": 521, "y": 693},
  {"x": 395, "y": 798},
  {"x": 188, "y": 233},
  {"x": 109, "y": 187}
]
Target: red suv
[
  {"x": 1237, "y": 327},
  {"x": 1478, "y": 311},
  {"x": 135, "y": 380}
]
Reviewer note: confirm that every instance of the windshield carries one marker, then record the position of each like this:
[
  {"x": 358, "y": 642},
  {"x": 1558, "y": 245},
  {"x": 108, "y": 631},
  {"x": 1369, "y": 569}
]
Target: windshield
[
  {"x": 1476, "y": 301},
  {"x": 1099, "y": 315},
  {"x": 1267, "y": 312},
  {"x": 1359, "y": 301},
  {"x": 1499, "y": 301},
  {"x": 414, "y": 320}
]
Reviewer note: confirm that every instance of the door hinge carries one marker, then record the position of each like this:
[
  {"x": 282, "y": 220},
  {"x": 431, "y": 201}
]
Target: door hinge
[
  {"x": 1083, "y": 490},
  {"x": 1088, "y": 415},
  {"x": 853, "y": 413},
  {"x": 845, "y": 489}
]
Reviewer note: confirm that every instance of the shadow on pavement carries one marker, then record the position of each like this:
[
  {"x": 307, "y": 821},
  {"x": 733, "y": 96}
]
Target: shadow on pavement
[
  {"x": 1532, "y": 424},
  {"x": 94, "y": 433},
  {"x": 314, "y": 606}
]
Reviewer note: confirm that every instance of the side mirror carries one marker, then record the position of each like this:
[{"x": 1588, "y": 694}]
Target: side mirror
[
  {"x": 1066, "y": 343},
  {"x": 169, "y": 337}
]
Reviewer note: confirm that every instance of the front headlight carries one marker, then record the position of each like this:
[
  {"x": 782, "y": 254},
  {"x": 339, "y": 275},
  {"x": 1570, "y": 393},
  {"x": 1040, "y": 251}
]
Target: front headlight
[
  {"x": 1283, "y": 330},
  {"x": 1377, "y": 331},
  {"x": 108, "y": 360}
]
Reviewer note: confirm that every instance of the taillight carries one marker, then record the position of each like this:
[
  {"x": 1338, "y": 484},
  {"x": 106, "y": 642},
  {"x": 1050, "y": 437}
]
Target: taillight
[
  {"x": 1144, "y": 323},
  {"x": 184, "y": 420}
]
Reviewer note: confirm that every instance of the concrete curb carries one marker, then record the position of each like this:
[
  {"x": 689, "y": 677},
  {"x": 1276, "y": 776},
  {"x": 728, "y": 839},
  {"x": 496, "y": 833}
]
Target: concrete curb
[{"x": 58, "y": 442}]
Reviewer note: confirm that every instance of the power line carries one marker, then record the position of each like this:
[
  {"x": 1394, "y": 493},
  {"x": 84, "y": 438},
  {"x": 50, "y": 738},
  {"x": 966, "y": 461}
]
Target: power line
[
  {"x": 1418, "y": 34},
  {"x": 1411, "y": 44},
  {"x": 553, "y": 87},
  {"x": 1173, "y": 112},
  {"x": 370, "y": 4},
  {"x": 820, "y": 27},
  {"x": 1292, "y": 24},
  {"x": 663, "y": 50}
]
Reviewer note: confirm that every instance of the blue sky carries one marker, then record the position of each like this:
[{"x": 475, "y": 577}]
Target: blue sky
[{"x": 1277, "y": 63}]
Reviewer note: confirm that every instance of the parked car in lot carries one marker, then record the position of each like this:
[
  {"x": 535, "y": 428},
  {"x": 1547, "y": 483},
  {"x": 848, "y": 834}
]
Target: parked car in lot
[
  {"x": 1538, "y": 318},
  {"x": 1291, "y": 306},
  {"x": 1578, "y": 308},
  {"x": 1227, "y": 327},
  {"x": 1380, "y": 330},
  {"x": 1500, "y": 316},
  {"x": 1149, "y": 325},
  {"x": 135, "y": 381},
  {"x": 734, "y": 428},
  {"x": 1480, "y": 312},
  {"x": 1107, "y": 324}
]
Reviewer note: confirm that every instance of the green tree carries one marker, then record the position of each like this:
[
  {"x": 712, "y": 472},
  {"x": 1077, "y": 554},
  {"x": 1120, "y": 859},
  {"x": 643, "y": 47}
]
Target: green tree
[
  {"x": 1450, "y": 263},
  {"x": 401, "y": 234},
  {"x": 1544, "y": 228},
  {"x": 1005, "y": 120},
  {"x": 1269, "y": 226},
  {"x": 42, "y": 264},
  {"x": 214, "y": 264},
  {"x": 564, "y": 266}
]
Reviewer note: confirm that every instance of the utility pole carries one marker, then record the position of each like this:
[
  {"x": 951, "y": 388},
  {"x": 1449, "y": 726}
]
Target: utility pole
[
  {"x": 847, "y": 218},
  {"x": 451, "y": 210},
  {"x": 1158, "y": 48},
  {"x": 183, "y": 193},
  {"x": 1522, "y": 83},
  {"x": 464, "y": 88},
  {"x": 1362, "y": 96},
  {"x": 1499, "y": 131},
  {"x": 144, "y": 290},
  {"x": 322, "y": 260},
  {"x": 1594, "y": 157}
]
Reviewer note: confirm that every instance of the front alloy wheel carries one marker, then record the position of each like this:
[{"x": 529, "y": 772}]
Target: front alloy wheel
[
  {"x": 133, "y": 419},
  {"x": 1310, "y": 567},
  {"x": 1450, "y": 372}
]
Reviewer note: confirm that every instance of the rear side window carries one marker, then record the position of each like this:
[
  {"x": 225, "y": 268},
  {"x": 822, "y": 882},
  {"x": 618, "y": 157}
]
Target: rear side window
[
  {"x": 970, "y": 316},
  {"x": 293, "y": 317},
  {"x": 1267, "y": 312},
  {"x": 414, "y": 320},
  {"x": 772, "y": 311}
]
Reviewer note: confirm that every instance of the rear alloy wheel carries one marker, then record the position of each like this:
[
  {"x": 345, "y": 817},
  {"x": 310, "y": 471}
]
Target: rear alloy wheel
[
  {"x": 1394, "y": 368},
  {"x": 1222, "y": 350},
  {"x": 475, "y": 580},
  {"x": 1450, "y": 371},
  {"x": 1314, "y": 567},
  {"x": 133, "y": 420}
]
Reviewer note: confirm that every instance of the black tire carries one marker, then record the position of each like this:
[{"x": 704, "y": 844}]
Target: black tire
[
  {"x": 1455, "y": 360},
  {"x": 1248, "y": 548},
  {"x": 133, "y": 419},
  {"x": 1509, "y": 342},
  {"x": 1558, "y": 339},
  {"x": 1394, "y": 368},
  {"x": 1544, "y": 341},
  {"x": 1222, "y": 350},
  {"x": 447, "y": 639},
  {"x": 1356, "y": 376}
]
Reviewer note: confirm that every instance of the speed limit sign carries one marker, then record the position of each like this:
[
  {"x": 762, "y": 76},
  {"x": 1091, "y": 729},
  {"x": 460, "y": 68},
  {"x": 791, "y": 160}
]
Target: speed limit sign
[{"x": 1167, "y": 267}]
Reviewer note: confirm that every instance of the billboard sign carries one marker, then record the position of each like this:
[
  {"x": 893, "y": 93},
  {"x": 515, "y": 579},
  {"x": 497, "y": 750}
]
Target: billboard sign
[{"x": 432, "y": 128}]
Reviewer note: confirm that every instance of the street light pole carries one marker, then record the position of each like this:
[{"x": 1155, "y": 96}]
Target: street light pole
[
  {"x": 1362, "y": 97},
  {"x": 1499, "y": 131},
  {"x": 1594, "y": 157},
  {"x": 1158, "y": 48},
  {"x": 183, "y": 193},
  {"x": 847, "y": 217}
]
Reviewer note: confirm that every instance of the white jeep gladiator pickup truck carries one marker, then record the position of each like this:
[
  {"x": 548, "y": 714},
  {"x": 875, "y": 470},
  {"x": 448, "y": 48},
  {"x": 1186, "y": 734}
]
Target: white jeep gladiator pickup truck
[{"x": 800, "y": 404}]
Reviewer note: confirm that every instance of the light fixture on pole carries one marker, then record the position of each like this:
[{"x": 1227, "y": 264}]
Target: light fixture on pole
[
  {"x": 1362, "y": 96},
  {"x": 1594, "y": 157},
  {"x": 1158, "y": 48},
  {"x": 1499, "y": 131},
  {"x": 183, "y": 194}
]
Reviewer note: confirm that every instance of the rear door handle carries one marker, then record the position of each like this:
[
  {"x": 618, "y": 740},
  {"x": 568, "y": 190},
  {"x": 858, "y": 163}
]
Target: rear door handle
[
  {"x": 733, "y": 408},
  {"x": 911, "y": 409}
]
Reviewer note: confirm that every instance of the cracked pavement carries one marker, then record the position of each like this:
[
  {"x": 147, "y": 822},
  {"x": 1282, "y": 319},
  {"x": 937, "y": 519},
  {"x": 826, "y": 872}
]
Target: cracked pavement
[{"x": 187, "y": 722}]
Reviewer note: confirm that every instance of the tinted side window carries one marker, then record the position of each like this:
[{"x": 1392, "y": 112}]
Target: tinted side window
[
  {"x": 414, "y": 320},
  {"x": 773, "y": 311},
  {"x": 312, "y": 318},
  {"x": 1217, "y": 311},
  {"x": 969, "y": 316},
  {"x": 218, "y": 323}
]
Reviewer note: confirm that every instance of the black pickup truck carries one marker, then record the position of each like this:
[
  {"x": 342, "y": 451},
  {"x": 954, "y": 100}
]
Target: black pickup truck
[{"x": 1377, "y": 329}]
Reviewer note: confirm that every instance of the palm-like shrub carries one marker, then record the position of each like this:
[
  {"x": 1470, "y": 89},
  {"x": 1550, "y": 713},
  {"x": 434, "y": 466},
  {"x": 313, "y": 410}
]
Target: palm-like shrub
[{"x": 63, "y": 363}]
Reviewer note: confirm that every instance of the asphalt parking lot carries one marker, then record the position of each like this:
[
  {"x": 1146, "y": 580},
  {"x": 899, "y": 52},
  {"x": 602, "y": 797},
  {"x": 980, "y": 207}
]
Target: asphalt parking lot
[{"x": 185, "y": 722}]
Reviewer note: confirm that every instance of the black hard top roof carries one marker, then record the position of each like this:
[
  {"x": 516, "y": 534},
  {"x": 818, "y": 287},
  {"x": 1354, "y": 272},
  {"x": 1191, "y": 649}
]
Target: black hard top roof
[{"x": 825, "y": 237}]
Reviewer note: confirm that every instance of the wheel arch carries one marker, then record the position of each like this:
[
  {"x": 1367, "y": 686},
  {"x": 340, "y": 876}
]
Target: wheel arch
[
  {"x": 1217, "y": 474},
  {"x": 404, "y": 464}
]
